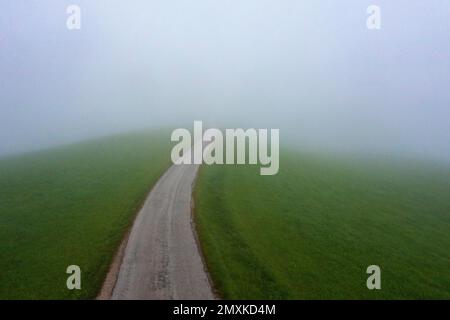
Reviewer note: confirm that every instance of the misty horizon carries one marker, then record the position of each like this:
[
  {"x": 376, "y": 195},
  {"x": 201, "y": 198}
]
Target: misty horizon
[{"x": 312, "y": 70}]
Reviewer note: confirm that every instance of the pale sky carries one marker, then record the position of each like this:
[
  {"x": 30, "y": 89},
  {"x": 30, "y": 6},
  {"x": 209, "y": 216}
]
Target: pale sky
[{"x": 310, "y": 68}]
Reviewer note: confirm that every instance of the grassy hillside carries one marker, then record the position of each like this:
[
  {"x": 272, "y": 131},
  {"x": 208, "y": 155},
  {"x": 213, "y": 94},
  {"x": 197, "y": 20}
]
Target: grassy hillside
[
  {"x": 71, "y": 205},
  {"x": 312, "y": 230}
]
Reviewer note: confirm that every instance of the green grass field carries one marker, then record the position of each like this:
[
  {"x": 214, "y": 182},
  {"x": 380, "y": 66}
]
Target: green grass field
[
  {"x": 71, "y": 205},
  {"x": 311, "y": 231}
]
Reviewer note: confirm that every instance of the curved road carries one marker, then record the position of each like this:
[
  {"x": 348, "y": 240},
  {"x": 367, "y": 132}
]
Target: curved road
[{"x": 161, "y": 258}]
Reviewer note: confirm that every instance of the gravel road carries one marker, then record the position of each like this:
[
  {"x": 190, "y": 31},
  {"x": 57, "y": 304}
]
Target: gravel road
[{"x": 161, "y": 259}]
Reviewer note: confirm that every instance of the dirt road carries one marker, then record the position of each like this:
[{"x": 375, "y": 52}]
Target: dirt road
[{"x": 161, "y": 259}]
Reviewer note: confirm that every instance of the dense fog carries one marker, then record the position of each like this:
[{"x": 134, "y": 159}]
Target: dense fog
[{"x": 313, "y": 69}]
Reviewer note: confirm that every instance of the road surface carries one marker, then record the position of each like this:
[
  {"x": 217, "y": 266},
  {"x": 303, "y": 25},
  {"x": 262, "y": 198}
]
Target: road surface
[{"x": 161, "y": 259}]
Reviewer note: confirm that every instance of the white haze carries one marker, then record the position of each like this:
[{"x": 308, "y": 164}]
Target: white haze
[{"x": 310, "y": 68}]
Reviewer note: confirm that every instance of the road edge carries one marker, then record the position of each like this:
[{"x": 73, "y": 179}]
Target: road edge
[
  {"x": 112, "y": 275},
  {"x": 194, "y": 228}
]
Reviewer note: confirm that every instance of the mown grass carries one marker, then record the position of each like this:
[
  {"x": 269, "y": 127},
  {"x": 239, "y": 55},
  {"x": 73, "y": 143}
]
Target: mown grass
[
  {"x": 311, "y": 231},
  {"x": 72, "y": 205}
]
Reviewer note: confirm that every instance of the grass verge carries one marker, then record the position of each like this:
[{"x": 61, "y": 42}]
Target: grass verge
[
  {"x": 311, "y": 231},
  {"x": 72, "y": 205}
]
